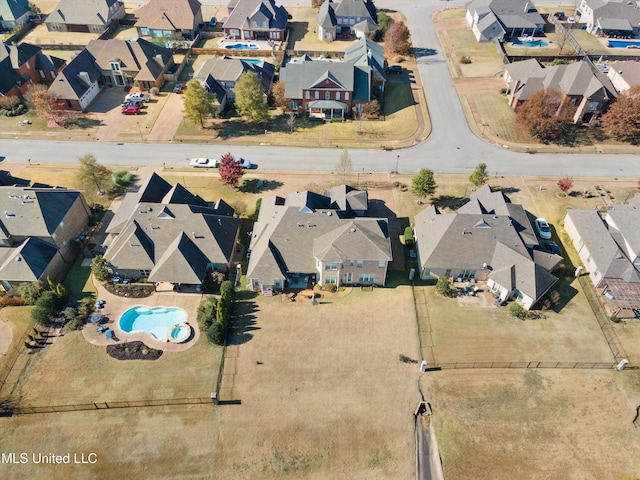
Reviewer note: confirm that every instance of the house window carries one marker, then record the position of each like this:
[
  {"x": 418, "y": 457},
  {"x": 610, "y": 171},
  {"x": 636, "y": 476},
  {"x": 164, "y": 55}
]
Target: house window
[
  {"x": 317, "y": 94},
  {"x": 517, "y": 294},
  {"x": 337, "y": 95},
  {"x": 254, "y": 24},
  {"x": 247, "y": 34},
  {"x": 346, "y": 95},
  {"x": 447, "y": 272},
  {"x": 42, "y": 75},
  {"x": 366, "y": 277},
  {"x": 62, "y": 225},
  {"x": 234, "y": 32},
  {"x": 293, "y": 106},
  {"x": 327, "y": 95},
  {"x": 359, "y": 263},
  {"x": 382, "y": 263},
  {"x": 349, "y": 277},
  {"x": 307, "y": 95},
  {"x": 330, "y": 279},
  {"x": 115, "y": 66},
  {"x": 55, "y": 237},
  {"x": 593, "y": 106},
  {"x": 331, "y": 266},
  {"x": 144, "y": 31},
  {"x": 573, "y": 101},
  {"x": 264, "y": 24}
]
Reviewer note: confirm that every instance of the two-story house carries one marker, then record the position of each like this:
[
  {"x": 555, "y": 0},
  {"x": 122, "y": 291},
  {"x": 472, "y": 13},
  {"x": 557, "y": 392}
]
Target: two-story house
[
  {"x": 93, "y": 16},
  {"x": 499, "y": 19},
  {"x": 117, "y": 63},
  {"x": 306, "y": 238},
  {"x": 167, "y": 234},
  {"x": 39, "y": 232},
  {"x": 13, "y": 13},
  {"x": 340, "y": 18},
  {"x": 22, "y": 65},
  {"x": 167, "y": 18},
  {"x": 586, "y": 90},
  {"x": 220, "y": 75},
  {"x": 256, "y": 20},
  {"x": 610, "y": 18},
  {"x": 609, "y": 247}
]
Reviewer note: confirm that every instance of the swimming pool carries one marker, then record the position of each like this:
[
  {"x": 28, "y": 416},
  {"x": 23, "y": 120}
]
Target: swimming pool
[
  {"x": 165, "y": 324},
  {"x": 255, "y": 61},
  {"x": 624, "y": 44},
  {"x": 242, "y": 46},
  {"x": 530, "y": 43}
]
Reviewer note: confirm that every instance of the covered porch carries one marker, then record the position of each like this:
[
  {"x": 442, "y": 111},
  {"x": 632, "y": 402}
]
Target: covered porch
[{"x": 327, "y": 109}]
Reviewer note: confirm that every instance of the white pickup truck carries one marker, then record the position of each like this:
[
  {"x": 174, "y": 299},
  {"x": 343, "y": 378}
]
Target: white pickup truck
[{"x": 137, "y": 96}]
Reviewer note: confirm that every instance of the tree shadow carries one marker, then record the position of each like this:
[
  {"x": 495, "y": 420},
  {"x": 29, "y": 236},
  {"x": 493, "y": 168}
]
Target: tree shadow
[
  {"x": 82, "y": 123},
  {"x": 297, "y": 31},
  {"x": 244, "y": 322},
  {"x": 398, "y": 97},
  {"x": 234, "y": 128},
  {"x": 508, "y": 190},
  {"x": 253, "y": 185},
  {"x": 420, "y": 52},
  {"x": 451, "y": 202}
]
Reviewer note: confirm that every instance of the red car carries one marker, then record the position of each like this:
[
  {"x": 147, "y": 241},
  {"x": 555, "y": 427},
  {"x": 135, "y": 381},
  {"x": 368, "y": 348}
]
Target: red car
[{"x": 130, "y": 110}]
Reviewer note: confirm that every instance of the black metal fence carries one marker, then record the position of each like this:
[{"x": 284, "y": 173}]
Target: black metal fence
[{"x": 26, "y": 410}]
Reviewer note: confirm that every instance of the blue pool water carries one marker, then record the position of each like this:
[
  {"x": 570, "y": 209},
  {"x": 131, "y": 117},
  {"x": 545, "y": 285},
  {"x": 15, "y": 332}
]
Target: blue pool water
[
  {"x": 255, "y": 61},
  {"x": 162, "y": 323},
  {"x": 242, "y": 46},
  {"x": 624, "y": 44},
  {"x": 533, "y": 43}
]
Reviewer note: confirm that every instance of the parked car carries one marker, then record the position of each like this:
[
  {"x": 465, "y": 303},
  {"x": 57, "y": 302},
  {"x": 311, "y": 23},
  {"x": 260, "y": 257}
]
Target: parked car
[
  {"x": 543, "y": 228},
  {"x": 204, "y": 162},
  {"x": 177, "y": 88},
  {"x": 552, "y": 247},
  {"x": 394, "y": 69},
  {"x": 243, "y": 162},
  {"x": 130, "y": 110},
  {"x": 137, "y": 103},
  {"x": 144, "y": 97}
]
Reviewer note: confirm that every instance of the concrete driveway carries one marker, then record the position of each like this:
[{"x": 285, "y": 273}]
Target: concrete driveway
[
  {"x": 165, "y": 126},
  {"x": 106, "y": 107}
]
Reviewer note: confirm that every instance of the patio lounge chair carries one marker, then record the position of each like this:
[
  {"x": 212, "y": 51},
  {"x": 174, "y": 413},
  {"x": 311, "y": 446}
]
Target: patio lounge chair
[{"x": 109, "y": 334}]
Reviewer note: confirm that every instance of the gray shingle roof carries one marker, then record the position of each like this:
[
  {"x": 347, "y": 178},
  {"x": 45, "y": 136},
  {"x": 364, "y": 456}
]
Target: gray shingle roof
[
  {"x": 244, "y": 10},
  {"x": 34, "y": 211},
  {"x": 174, "y": 239},
  {"x": 303, "y": 76},
  {"x": 229, "y": 70},
  {"x": 604, "y": 12},
  {"x": 512, "y": 14},
  {"x": 366, "y": 53},
  {"x": 170, "y": 14},
  {"x": 68, "y": 84},
  {"x": 84, "y": 12},
  {"x": 11, "y": 10},
  {"x": 27, "y": 261},
  {"x": 347, "y": 198}
]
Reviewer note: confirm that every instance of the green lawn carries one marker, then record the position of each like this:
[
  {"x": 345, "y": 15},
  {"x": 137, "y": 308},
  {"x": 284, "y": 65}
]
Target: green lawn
[
  {"x": 78, "y": 281},
  {"x": 485, "y": 60}
]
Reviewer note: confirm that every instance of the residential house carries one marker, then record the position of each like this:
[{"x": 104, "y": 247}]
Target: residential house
[
  {"x": 169, "y": 18},
  {"x": 609, "y": 247},
  {"x": 219, "y": 75},
  {"x": 335, "y": 89},
  {"x": 39, "y": 232},
  {"x": 624, "y": 75},
  {"x": 22, "y": 65},
  {"x": 613, "y": 18},
  {"x": 488, "y": 239},
  {"x": 340, "y": 18},
  {"x": 92, "y": 16},
  {"x": 500, "y": 19},
  {"x": 306, "y": 238},
  {"x": 256, "y": 20},
  {"x": 13, "y": 13},
  {"x": 112, "y": 63},
  {"x": 586, "y": 90},
  {"x": 167, "y": 234}
]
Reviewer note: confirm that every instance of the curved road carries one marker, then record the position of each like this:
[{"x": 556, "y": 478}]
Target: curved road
[{"x": 451, "y": 147}]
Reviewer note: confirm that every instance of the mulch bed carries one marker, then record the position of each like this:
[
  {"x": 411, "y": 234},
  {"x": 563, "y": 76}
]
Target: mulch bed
[
  {"x": 133, "y": 351},
  {"x": 139, "y": 290}
]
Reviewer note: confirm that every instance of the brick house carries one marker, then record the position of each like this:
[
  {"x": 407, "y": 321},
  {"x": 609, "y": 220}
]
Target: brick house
[
  {"x": 256, "y": 20},
  {"x": 23, "y": 65}
]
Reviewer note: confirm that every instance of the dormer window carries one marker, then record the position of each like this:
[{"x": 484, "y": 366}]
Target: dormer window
[{"x": 115, "y": 66}]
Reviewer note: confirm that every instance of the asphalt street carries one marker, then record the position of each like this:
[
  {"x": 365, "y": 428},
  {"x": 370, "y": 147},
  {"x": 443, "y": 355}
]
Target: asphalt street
[{"x": 451, "y": 147}]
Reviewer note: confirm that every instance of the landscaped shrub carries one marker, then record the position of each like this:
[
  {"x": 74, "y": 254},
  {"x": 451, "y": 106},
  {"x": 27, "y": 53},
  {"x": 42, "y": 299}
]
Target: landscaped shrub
[
  {"x": 154, "y": 91},
  {"x": 226, "y": 288},
  {"x": 122, "y": 178},
  {"x": 465, "y": 60},
  {"x": 99, "y": 268},
  {"x": 215, "y": 333},
  {"x": 30, "y": 292},
  {"x": 614, "y": 319},
  {"x": 444, "y": 287},
  {"x": 330, "y": 287},
  {"x": 516, "y": 310},
  {"x": 207, "y": 313}
]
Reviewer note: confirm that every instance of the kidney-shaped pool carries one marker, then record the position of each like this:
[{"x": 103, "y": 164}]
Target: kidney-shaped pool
[{"x": 165, "y": 324}]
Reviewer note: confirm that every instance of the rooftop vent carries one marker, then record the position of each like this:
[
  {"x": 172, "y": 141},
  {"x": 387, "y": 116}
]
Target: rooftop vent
[{"x": 353, "y": 229}]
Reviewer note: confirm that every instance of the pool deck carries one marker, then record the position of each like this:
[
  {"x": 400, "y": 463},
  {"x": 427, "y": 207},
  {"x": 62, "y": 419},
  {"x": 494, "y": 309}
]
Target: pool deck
[
  {"x": 115, "y": 306},
  {"x": 262, "y": 44}
]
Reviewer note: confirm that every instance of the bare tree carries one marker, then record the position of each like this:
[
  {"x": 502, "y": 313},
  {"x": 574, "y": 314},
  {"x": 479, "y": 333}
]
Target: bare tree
[{"x": 344, "y": 163}]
